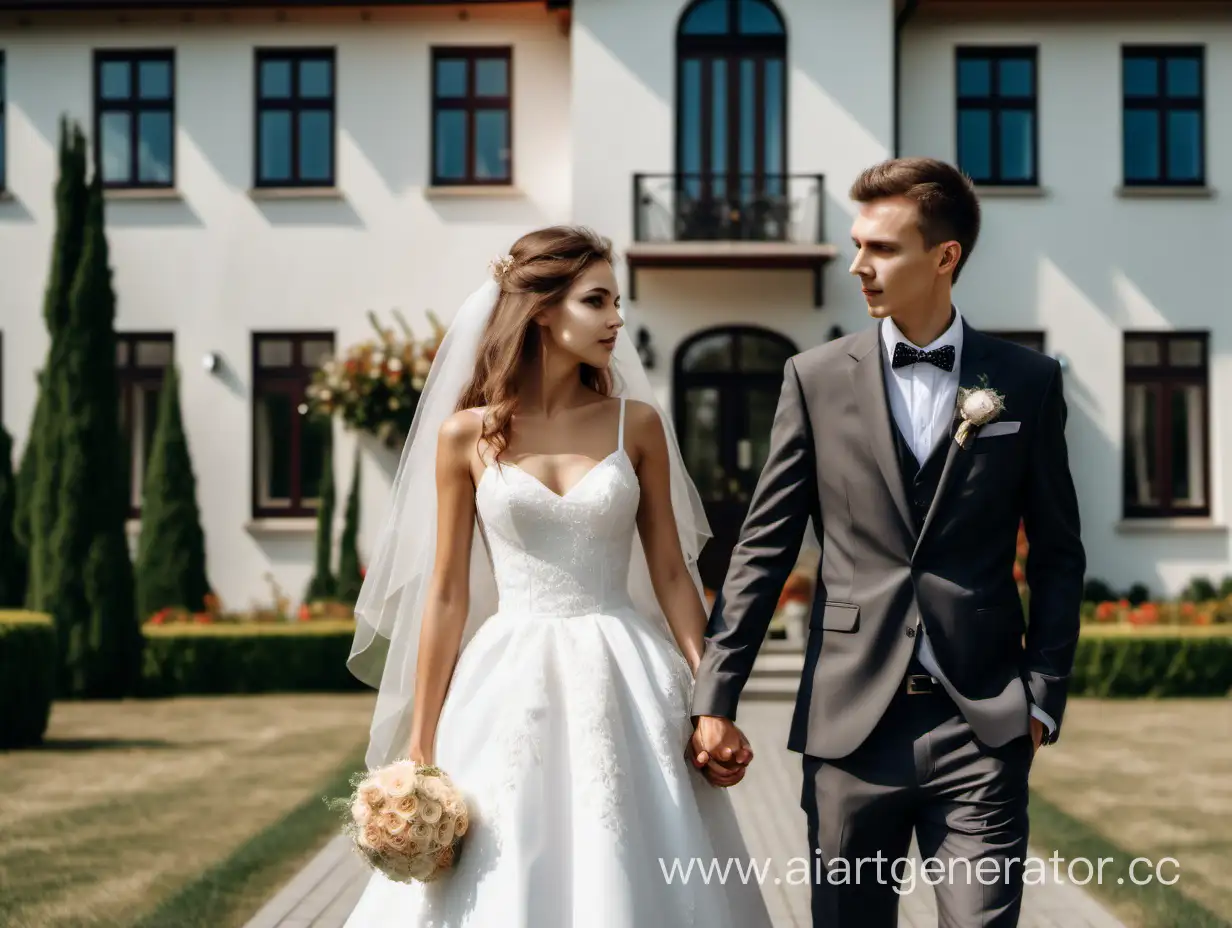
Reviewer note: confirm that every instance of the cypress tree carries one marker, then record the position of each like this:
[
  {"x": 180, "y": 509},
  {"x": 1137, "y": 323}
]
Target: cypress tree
[
  {"x": 91, "y": 589},
  {"x": 349, "y": 578},
  {"x": 323, "y": 585},
  {"x": 71, "y": 197},
  {"x": 12, "y": 560},
  {"x": 22, "y": 527},
  {"x": 170, "y": 567}
]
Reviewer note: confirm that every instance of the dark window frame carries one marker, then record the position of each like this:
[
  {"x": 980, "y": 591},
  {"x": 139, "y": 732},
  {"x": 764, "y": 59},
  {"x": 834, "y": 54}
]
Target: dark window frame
[
  {"x": 134, "y": 105},
  {"x": 996, "y": 104},
  {"x": 293, "y": 381},
  {"x": 4, "y": 124},
  {"x": 469, "y": 104},
  {"x": 1167, "y": 378},
  {"x": 1162, "y": 104},
  {"x": 130, "y": 377},
  {"x": 1027, "y": 338},
  {"x": 295, "y": 105}
]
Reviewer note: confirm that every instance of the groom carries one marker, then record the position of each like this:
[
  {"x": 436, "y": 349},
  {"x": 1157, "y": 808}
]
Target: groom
[{"x": 923, "y": 697}]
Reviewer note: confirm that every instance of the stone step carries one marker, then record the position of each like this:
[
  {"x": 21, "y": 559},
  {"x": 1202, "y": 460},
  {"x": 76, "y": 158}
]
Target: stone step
[
  {"x": 767, "y": 689},
  {"x": 780, "y": 664},
  {"x": 780, "y": 646}
]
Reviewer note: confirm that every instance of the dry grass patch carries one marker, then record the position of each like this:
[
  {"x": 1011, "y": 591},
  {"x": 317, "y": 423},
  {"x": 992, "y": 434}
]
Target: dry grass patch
[{"x": 128, "y": 802}]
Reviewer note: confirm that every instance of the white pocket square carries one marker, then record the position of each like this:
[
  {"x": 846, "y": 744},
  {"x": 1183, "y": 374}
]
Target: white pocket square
[{"x": 993, "y": 429}]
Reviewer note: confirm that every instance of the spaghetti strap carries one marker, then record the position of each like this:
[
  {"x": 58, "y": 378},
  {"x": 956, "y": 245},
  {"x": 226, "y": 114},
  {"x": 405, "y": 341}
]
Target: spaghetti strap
[{"x": 620, "y": 433}]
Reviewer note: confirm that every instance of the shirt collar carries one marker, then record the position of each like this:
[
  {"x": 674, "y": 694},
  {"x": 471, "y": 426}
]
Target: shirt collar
[{"x": 891, "y": 336}]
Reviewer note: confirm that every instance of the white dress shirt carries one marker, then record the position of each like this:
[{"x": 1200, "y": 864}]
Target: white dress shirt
[{"x": 922, "y": 399}]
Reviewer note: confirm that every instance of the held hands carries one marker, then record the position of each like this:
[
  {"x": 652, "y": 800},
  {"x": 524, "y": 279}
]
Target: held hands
[{"x": 719, "y": 749}]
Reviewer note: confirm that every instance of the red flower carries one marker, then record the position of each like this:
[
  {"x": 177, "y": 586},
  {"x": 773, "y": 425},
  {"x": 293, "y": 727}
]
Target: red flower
[
  {"x": 304, "y": 613},
  {"x": 1105, "y": 612},
  {"x": 1146, "y": 614}
]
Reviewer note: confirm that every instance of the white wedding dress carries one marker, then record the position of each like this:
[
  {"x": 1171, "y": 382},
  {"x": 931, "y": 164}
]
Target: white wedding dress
[{"x": 565, "y": 727}]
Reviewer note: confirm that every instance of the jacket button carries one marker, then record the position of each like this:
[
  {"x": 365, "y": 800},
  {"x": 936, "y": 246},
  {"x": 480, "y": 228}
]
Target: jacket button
[{"x": 911, "y": 632}]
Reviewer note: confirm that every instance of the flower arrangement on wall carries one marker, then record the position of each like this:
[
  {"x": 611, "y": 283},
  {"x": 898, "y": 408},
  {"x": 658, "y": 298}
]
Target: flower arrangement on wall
[{"x": 375, "y": 386}]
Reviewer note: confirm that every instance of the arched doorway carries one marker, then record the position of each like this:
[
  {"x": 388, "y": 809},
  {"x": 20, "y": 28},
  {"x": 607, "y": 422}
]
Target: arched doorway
[
  {"x": 725, "y": 389},
  {"x": 731, "y": 118}
]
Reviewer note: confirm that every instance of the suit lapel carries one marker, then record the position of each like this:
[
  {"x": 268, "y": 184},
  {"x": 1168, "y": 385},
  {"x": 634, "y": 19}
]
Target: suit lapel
[
  {"x": 973, "y": 363},
  {"x": 868, "y": 381}
]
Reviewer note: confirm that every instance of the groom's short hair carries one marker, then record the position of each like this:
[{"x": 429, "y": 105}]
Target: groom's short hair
[{"x": 945, "y": 197}]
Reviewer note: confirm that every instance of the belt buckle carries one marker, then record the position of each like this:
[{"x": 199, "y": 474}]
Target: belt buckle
[{"x": 919, "y": 683}]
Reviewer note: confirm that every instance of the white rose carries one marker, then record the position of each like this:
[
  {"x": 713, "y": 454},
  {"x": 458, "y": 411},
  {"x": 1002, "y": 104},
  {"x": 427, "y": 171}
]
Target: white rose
[
  {"x": 979, "y": 406},
  {"x": 433, "y": 788},
  {"x": 423, "y": 832},
  {"x": 430, "y": 811},
  {"x": 445, "y": 831}
]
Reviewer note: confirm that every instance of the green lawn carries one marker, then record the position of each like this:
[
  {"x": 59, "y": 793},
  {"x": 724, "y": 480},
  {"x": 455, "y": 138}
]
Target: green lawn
[
  {"x": 1143, "y": 778},
  {"x": 180, "y": 813}
]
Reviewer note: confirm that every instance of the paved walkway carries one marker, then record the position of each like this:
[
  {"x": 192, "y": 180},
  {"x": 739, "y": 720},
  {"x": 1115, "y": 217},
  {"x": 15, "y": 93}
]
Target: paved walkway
[{"x": 322, "y": 894}]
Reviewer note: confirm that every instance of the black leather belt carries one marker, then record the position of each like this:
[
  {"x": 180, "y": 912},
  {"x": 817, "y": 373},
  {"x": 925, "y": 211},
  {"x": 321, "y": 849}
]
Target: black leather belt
[{"x": 921, "y": 683}]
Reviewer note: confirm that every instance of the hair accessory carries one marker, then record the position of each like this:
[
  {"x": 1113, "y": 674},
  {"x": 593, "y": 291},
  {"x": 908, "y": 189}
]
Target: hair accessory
[{"x": 501, "y": 266}]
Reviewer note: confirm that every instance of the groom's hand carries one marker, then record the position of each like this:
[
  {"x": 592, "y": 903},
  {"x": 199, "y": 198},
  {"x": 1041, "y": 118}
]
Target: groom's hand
[{"x": 719, "y": 749}]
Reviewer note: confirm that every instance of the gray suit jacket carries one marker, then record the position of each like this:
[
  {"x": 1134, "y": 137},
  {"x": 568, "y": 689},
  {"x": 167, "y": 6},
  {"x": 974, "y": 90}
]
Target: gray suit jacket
[{"x": 832, "y": 457}]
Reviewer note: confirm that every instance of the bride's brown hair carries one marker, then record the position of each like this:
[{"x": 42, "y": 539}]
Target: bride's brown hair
[{"x": 545, "y": 265}]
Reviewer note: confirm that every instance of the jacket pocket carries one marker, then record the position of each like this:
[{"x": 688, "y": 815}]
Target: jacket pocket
[{"x": 837, "y": 617}]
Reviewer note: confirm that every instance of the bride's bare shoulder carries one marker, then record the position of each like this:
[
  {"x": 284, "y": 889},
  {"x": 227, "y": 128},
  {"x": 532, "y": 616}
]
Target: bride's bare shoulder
[
  {"x": 461, "y": 430},
  {"x": 643, "y": 427}
]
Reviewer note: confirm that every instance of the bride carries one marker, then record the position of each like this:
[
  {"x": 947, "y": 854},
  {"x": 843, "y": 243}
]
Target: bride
[{"x": 533, "y": 619}]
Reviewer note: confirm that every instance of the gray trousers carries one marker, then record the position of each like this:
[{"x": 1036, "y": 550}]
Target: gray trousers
[{"x": 922, "y": 769}]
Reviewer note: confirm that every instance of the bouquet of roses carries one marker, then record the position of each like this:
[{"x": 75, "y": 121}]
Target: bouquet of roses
[{"x": 407, "y": 821}]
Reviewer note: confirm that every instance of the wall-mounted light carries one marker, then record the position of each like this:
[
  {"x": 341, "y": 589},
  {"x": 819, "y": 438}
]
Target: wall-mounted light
[
  {"x": 210, "y": 362},
  {"x": 1062, "y": 361},
  {"x": 644, "y": 349}
]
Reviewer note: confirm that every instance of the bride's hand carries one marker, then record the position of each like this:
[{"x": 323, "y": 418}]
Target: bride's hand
[{"x": 420, "y": 755}]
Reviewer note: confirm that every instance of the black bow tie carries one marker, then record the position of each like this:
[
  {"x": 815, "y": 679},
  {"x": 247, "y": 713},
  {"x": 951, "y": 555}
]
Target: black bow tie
[{"x": 942, "y": 357}]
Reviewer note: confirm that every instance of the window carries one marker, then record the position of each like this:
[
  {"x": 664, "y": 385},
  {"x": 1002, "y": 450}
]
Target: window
[
  {"x": 1167, "y": 424},
  {"x": 142, "y": 359},
  {"x": 731, "y": 121},
  {"x": 1027, "y": 338},
  {"x": 471, "y": 116},
  {"x": 295, "y": 118},
  {"x": 134, "y": 118},
  {"x": 288, "y": 447},
  {"x": 997, "y": 124},
  {"x": 3, "y": 133},
  {"x": 1162, "y": 118}
]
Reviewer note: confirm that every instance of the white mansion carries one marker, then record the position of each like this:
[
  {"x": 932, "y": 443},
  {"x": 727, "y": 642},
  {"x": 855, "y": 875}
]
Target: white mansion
[{"x": 274, "y": 171}]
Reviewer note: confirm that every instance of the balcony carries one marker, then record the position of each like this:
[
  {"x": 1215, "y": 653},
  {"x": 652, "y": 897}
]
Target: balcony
[{"x": 729, "y": 221}]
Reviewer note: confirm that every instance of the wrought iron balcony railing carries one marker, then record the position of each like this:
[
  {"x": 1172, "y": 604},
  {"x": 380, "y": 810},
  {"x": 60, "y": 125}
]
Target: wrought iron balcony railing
[{"x": 685, "y": 207}]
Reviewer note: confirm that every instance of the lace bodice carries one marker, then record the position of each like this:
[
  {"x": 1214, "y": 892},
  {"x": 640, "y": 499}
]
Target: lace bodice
[{"x": 561, "y": 555}]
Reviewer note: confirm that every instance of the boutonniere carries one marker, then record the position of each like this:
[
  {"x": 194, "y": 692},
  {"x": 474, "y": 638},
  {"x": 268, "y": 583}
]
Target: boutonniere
[{"x": 977, "y": 406}]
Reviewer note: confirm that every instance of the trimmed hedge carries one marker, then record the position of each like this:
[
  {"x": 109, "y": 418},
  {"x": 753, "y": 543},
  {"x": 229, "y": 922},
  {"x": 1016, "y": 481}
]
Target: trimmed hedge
[
  {"x": 1155, "y": 661},
  {"x": 218, "y": 659},
  {"x": 27, "y": 677}
]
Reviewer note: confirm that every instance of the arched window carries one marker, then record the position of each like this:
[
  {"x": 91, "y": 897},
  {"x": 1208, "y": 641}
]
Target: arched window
[{"x": 731, "y": 115}]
